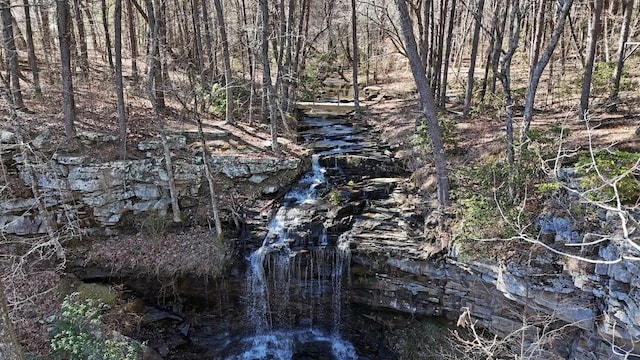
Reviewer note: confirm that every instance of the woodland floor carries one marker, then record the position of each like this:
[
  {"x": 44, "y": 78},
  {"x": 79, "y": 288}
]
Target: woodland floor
[{"x": 31, "y": 289}]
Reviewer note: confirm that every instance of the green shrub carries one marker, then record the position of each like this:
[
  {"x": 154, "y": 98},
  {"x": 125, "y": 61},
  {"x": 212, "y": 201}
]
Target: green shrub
[
  {"x": 447, "y": 130},
  {"x": 612, "y": 165},
  {"x": 79, "y": 333},
  {"x": 216, "y": 98},
  {"x": 334, "y": 197},
  {"x": 601, "y": 83}
]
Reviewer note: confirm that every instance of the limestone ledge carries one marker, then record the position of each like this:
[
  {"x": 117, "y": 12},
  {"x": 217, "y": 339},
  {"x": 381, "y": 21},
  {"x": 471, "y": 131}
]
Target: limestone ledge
[
  {"x": 393, "y": 269},
  {"x": 78, "y": 191},
  {"x": 602, "y": 306}
]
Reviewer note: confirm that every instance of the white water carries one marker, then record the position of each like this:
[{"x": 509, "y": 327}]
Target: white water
[{"x": 276, "y": 271}]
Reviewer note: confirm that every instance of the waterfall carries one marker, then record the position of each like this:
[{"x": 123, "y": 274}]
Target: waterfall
[{"x": 282, "y": 270}]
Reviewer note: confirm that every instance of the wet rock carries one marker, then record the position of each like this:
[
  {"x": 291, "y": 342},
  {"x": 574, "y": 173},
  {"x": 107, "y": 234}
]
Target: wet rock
[
  {"x": 154, "y": 314},
  {"x": 316, "y": 350}
]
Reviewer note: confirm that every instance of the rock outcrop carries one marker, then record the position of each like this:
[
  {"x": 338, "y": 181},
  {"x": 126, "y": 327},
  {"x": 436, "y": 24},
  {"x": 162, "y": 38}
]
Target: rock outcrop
[
  {"x": 395, "y": 267},
  {"x": 87, "y": 194}
]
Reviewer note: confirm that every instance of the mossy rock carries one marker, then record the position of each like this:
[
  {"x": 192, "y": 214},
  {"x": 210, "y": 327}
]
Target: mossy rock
[{"x": 103, "y": 293}]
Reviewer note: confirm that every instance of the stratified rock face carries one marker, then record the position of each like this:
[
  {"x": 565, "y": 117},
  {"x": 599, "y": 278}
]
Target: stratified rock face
[
  {"x": 394, "y": 268},
  {"x": 88, "y": 194}
]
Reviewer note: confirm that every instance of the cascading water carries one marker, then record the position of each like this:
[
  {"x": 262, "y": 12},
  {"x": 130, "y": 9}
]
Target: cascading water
[{"x": 296, "y": 263}]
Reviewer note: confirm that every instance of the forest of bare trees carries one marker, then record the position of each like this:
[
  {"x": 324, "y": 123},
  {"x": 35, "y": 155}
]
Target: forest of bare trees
[
  {"x": 244, "y": 58},
  {"x": 248, "y": 61},
  {"x": 463, "y": 47}
]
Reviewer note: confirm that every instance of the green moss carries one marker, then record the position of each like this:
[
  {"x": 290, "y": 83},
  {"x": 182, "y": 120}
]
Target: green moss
[
  {"x": 102, "y": 293},
  {"x": 610, "y": 170}
]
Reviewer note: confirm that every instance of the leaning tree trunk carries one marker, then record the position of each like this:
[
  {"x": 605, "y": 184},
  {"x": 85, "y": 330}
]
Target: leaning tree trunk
[
  {"x": 624, "y": 35},
  {"x": 11, "y": 53},
  {"x": 594, "y": 32},
  {"x": 206, "y": 156},
  {"x": 538, "y": 68},
  {"x": 68, "y": 101},
  {"x": 427, "y": 103}
]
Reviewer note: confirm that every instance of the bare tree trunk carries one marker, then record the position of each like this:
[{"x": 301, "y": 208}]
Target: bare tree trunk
[
  {"x": 447, "y": 56},
  {"x": 133, "y": 42},
  {"x": 537, "y": 35},
  {"x": 594, "y": 33},
  {"x": 197, "y": 35},
  {"x": 21, "y": 43},
  {"x": 11, "y": 53},
  {"x": 472, "y": 62},
  {"x": 356, "y": 57},
  {"x": 437, "y": 67},
  {"x": 206, "y": 156},
  {"x": 68, "y": 101},
  {"x": 105, "y": 24},
  {"x": 226, "y": 59},
  {"x": 33, "y": 61},
  {"x": 287, "y": 94},
  {"x": 207, "y": 39},
  {"x": 539, "y": 67},
  {"x": 624, "y": 35},
  {"x": 162, "y": 75},
  {"x": 9, "y": 346},
  {"x": 266, "y": 70},
  {"x": 82, "y": 39},
  {"x": 151, "y": 92},
  {"x": 515, "y": 23},
  {"x": 428, "y": 106},
  {"x": 92, "y": 25},
  {"x": 43, "y": 12},
  {"x": 122, "y": 118}
]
